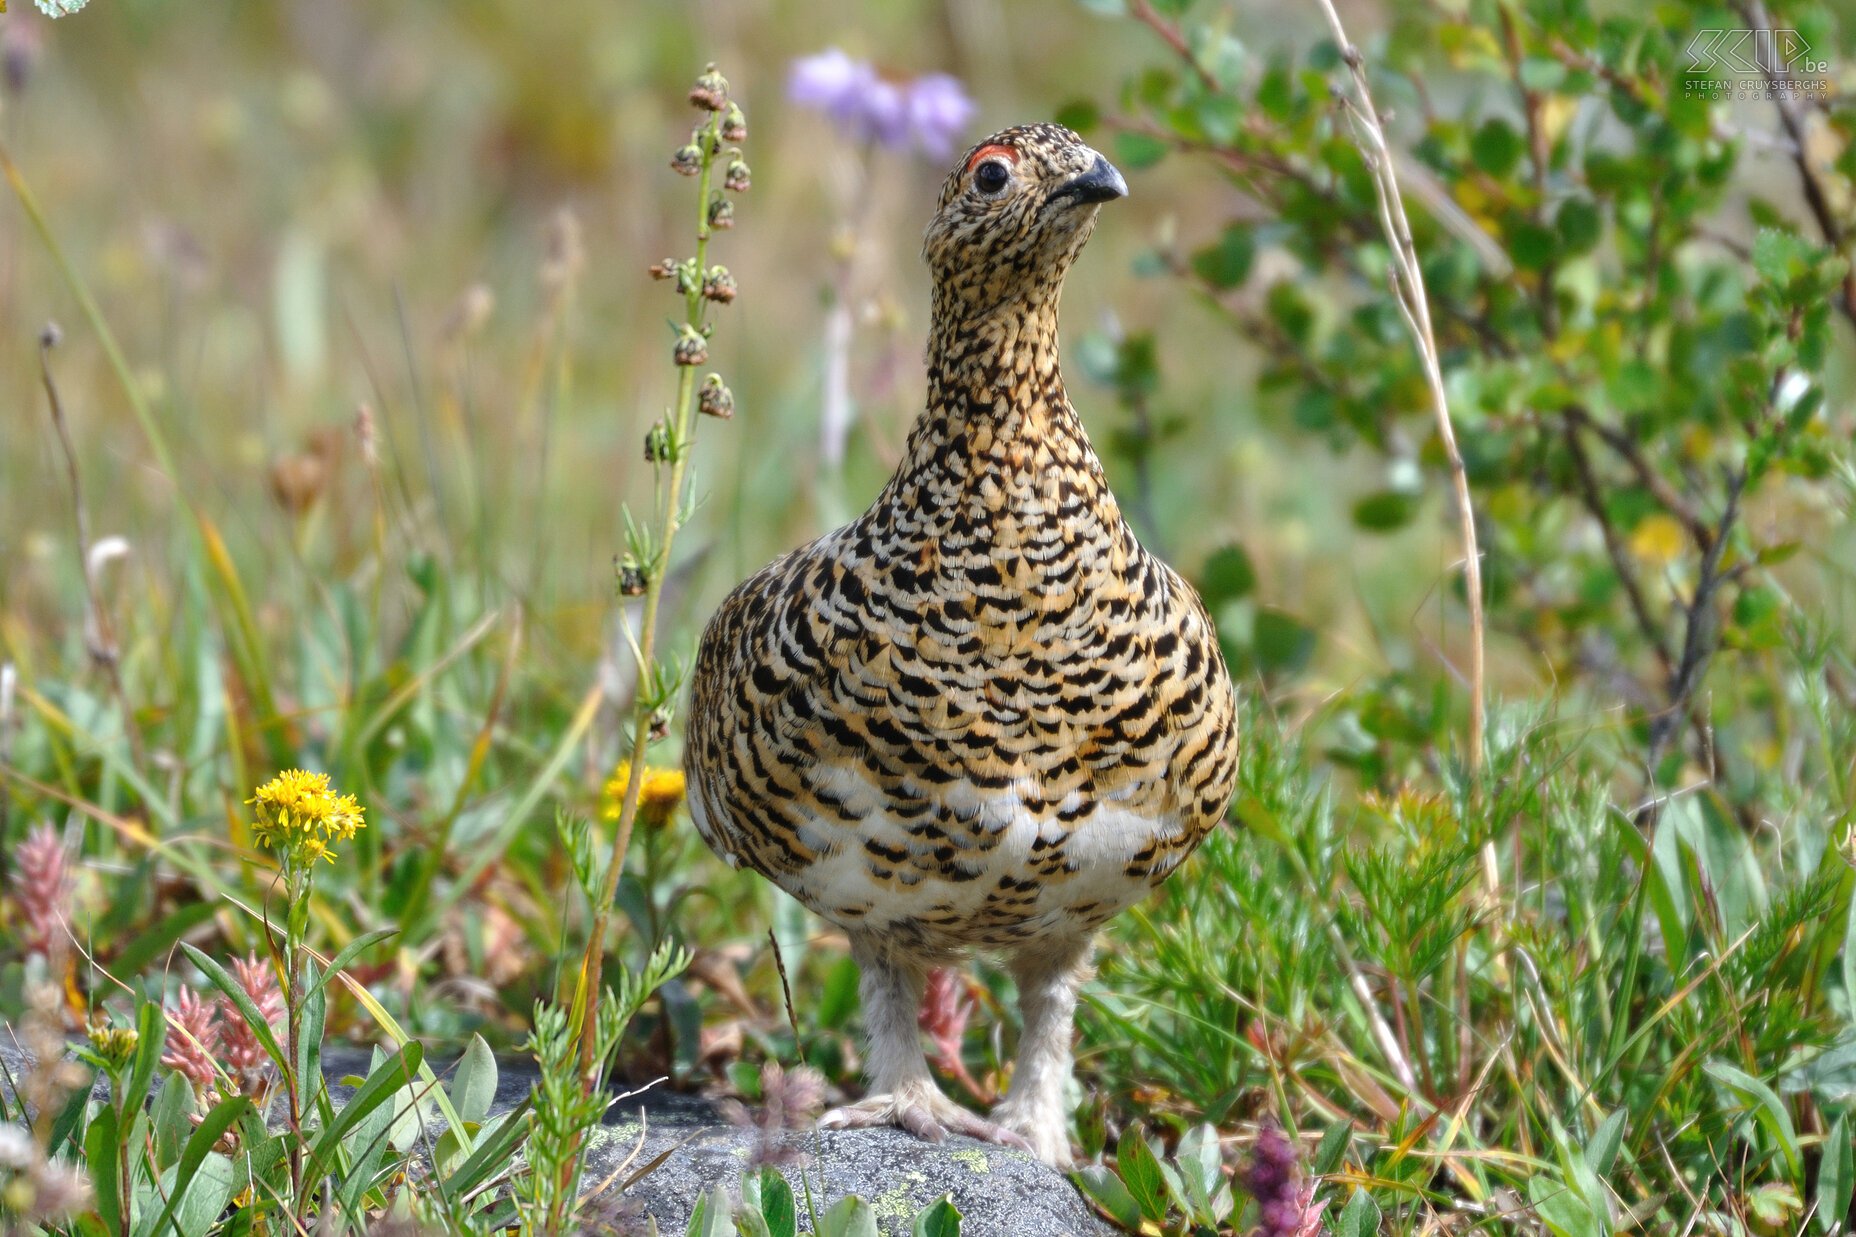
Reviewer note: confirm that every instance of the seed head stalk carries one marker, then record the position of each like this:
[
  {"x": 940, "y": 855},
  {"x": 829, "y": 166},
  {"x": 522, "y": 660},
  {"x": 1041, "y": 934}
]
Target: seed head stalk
[{"x": 709, "y": 141}]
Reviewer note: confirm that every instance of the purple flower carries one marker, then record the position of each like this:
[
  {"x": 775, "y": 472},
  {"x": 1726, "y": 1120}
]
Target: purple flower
[
  {"x": 938, "y": 110},
  {"x": 925, "y": 113},
  {"x": 828, "y": 82},
  {"x": 1286, "y": 1205}
]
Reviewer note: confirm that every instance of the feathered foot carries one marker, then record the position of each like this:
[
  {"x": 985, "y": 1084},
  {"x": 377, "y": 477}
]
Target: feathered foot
[{"x": 921, "y": 1109}]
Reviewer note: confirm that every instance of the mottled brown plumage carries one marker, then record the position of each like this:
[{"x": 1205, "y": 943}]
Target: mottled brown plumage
[{"x": 981, "y": 715}]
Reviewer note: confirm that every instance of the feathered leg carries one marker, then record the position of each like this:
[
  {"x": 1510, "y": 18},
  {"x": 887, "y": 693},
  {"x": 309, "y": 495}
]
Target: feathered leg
[
  {"x": 902, "y": 1091},
  {"x": 1048, "y": 974}
]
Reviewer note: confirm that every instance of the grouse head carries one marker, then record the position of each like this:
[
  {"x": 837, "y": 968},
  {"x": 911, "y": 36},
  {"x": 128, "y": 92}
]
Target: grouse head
[{"x": 1014, "y": 214}]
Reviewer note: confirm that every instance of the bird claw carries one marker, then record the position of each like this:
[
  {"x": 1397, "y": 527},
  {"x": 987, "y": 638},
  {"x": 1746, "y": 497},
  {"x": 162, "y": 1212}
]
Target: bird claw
[
  {"x": 927, "y": 1114},
  {"x": 1044, "y": 1134}
]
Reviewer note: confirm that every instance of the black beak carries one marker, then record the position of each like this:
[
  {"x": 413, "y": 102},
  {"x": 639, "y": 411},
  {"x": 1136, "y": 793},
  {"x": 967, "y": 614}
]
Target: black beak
[{"x": 1101, "y": 183}]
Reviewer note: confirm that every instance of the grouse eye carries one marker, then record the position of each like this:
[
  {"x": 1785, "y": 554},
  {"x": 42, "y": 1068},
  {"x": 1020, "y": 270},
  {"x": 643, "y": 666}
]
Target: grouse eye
[{"x": 990, "y": 176}]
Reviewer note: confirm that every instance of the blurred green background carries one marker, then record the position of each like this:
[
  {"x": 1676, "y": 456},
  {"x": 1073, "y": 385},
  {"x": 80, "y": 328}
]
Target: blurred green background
[{"x": 288, "y": 212}]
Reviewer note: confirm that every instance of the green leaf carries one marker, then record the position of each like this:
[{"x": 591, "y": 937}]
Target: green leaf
[
  {"x": 1134, "y": 151},
  {"x": 777, "y": 1205},
  {"x": 1849, "y": 951},
  {"x": 1385, "y": 511},
  {"x": 204, "y": 1198},
  {"x": 1532, "y": 247},
  {"x": 1561, "y": 1208},
  {"x": 1140, "y": 1171},
  {"x": 1227, "y": 577},
  {"x": 315, "y": 1012},
  {"x": 1496, "y": 147},
  {"x": 1768, "y": 1109},
  {"x": 100, "y": 1162},
  {"x": 1359, "y": 1218},
  {"x": 168, "y": 1119},
  {"x": 1579, "y": 225},
  {"x": 838, "y": 1000},
  {"x": 1542, "y": 73},
  {"x": 1602, "y": 1150},
  {"x": 69, "y": 1124},
  {"x": 1331, "y": 1149},
  {"x": 453, "y": 1145},
  {"x": 851, "y": 1217},
  {"x": 368, "y": 1147},
  {"x": 493, "y": 1150},
  {"x": 211, "y": 1129},
  {"x": 721, "y": 1214},
  {"x": 241, "y": 1001},
  {"x": 1836, "y": 1174},
  {"x": 1201, "y": 1160},
  {"x": 1780, "y": 257},
  {"x": 1773, "y": 1204},
  {"x": 699, "y": 1218},
  {"x": 1107, "y": 1191},
  {"x": 1226, "y": 262},
  {"x": 1081, "y": 115},
  {"x": 938, "y": 1219},
  {"x": 151, "y": 1030},
  {"x": 1283, "y": 643},
  {"x": 395, "y": 1072},
  {"x": 473, "y": 1086}
]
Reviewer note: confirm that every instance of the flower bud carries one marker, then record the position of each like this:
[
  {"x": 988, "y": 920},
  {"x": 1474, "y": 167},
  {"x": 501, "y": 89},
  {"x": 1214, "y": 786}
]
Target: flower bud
[
  {"x": 736, "y": 179},
  {"x": 687, "y": 161},
  {"x": 667, "y": 269},
  {"x": 116, "y": 1045},
  {"x": 735, "y": 125},
  {"x": 718, "y": 285},
  {"x": 714, "y": 399},
  {"x": 631, "y": 577},
  {"x": 721, "y": 213},
  {"x": 657, "y": 444},
  {"x": 692, "y": 348},
  {"x": 711, "y": 91}
]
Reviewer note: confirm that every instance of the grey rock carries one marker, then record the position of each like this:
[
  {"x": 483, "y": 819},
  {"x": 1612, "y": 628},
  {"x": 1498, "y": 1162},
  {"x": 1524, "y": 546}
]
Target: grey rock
[{"x": 999, "y": 1192}]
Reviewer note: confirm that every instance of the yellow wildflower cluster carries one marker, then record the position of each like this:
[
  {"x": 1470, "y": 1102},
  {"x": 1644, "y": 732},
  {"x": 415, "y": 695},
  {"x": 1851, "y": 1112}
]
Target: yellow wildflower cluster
[
  {"x": 658, "y": 796},
  {"x": 300, "y": 814},
  {"x": 116, "y": 1045}
]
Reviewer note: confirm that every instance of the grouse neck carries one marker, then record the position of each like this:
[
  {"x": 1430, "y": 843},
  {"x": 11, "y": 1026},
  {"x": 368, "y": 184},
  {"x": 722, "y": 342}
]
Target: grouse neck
[{"x": 998, "y": 368}]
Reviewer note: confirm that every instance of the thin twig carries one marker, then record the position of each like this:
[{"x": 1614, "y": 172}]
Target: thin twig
[
  {"x": 99, "y": 637},
  {"x": 1594, "y": 500},
  {"x": 1785, "y": 99},
  {"x": 1631, "y": 452},
  {"x": 1699, "y": 638},
  {"x": 1414, "y": 306},
  {"x": 1143, "y": 12}
]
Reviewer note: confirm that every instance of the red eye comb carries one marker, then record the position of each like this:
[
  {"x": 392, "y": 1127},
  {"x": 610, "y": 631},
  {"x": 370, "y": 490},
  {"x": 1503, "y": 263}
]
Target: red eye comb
[{"x": 997, "y": 148}]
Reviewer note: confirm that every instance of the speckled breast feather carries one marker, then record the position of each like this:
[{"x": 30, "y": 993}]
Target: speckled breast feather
[{"x": 982, "y": 713}]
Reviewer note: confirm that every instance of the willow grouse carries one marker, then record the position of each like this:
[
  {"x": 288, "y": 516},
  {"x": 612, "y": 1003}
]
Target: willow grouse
[{"x": 981, "y": 716}]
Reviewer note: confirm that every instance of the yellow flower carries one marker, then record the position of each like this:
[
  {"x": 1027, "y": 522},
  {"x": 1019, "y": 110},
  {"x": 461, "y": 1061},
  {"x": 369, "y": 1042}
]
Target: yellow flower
[
  {"x": 300, "y": 813},
  {"x": 658, "y": 796},
  {"x": 1658, "y": 540},
  {"x": 115, "y": 1045}
]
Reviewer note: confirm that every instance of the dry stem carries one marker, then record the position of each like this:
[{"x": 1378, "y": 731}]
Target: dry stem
[{"x": 1414, "y": 305}]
